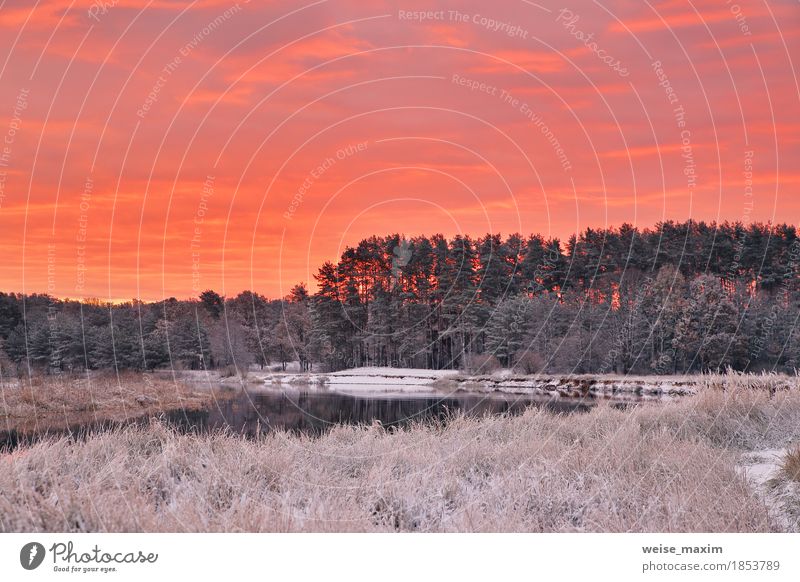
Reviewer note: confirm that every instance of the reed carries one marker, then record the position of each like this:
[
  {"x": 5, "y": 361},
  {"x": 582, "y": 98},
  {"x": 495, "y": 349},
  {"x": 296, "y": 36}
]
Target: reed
[{"x": 668, "y": 467}]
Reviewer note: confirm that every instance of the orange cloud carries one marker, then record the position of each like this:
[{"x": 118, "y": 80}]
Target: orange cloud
[{"x": 436, "y": 157}]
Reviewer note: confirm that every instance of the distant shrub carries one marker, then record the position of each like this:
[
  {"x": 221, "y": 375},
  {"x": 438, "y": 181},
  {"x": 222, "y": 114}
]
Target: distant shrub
[
  {"x": 231, "y": 370},
  {"x": 481, "y": 364},
  {"x": 528, "y": 362},
  {"x": 227, "y": 371}
]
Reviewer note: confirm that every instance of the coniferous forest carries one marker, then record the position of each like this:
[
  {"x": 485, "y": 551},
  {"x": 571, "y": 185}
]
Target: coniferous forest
[{"x": 676, "y": 298}]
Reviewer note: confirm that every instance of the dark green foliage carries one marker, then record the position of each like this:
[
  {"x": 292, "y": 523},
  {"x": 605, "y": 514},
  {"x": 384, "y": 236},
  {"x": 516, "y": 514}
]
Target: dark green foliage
[
  {"x": 212, "y": 302},
  {"x": 10, "y": 314},
  {"x": 682, "y": 297}
]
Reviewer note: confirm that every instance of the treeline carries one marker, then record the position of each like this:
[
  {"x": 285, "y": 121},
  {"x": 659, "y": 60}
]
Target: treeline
[
  {"x": 207, "y": 333},
  {"x": 681, "y": 297}
]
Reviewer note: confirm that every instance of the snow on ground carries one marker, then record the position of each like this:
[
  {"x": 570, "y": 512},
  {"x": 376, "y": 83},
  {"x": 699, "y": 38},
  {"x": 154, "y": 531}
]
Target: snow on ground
[
  {"x": 385, "y": 380},
  {"x": 761, "y": 466},
  {"x": 404, "y": 375},
  {"x": 578, "y": 385},
  {"x": 365, "y": 380},
  {"x": 376, "y": 379},
  {"x": 393, "y": 372},
  {"x": 762, "y": 471}
]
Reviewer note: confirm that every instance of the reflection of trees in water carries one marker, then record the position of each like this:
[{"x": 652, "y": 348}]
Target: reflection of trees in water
[
  {"x": 313, "y": 413},
  {"x": 189, "y": 420},
  {"x": 79, "y": 431}
]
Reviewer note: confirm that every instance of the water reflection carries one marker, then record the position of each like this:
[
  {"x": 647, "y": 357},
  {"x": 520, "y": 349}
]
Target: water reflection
[{"x": 313, "y": 412}]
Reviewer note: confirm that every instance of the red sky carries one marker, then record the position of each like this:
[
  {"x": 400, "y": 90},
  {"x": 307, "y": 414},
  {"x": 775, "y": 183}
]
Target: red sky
[{"x": 266, "y": 105}]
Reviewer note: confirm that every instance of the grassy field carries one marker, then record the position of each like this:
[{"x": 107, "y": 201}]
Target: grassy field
[
  {"x": 658, "y": 467},
  {"x": 44, "y": 403}
]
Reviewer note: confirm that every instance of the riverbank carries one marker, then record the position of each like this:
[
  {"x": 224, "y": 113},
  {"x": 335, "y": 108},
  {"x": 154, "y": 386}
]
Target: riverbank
[
  {"x": 407, "y": 380},
  {"x": 365, "y": 380},
  {"x": 52, "y": 403},
  {"x": 675, "y": 467}
]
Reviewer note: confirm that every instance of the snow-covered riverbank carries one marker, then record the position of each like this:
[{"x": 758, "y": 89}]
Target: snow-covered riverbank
[
  {"x": 577, "y": 385},
  {"x": 376, "y": 379},
  {"x": 764, "y": 471},
  {"x": 366, "y": 380},
  {"x": 665, "y": 468}
]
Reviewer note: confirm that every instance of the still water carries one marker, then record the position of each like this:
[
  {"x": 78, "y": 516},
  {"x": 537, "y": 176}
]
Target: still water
[
  {"x": 250, "y": 412},
  {"x": 314, "y": 412}
]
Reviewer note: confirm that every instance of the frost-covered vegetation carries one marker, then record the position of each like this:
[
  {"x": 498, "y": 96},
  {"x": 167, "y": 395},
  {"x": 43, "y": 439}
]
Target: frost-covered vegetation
[
  {"x": 54, "y": 402},
  {"x": 666, "y": 467},
  {"x": 679, "y": 298}
]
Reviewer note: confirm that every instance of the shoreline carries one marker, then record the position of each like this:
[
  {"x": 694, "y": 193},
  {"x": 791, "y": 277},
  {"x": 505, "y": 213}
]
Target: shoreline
[
  {"x": 689, "y": 465},
  {"x": 62, "y": 403},
  {"x": 376, "y": 380}
]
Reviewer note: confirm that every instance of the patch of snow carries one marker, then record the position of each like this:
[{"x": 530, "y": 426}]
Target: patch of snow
[
  {"x": 364, "y": 380},
  {"x": 383, "y": 380},
  {"x": 762, "y": 470},
  {"x": 578, "y": 385},
  {"x": 381, "y": 372},
  {"x": 761, "y": 466}
]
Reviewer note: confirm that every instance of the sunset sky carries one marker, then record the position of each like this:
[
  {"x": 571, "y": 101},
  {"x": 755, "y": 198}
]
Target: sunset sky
[{"x": 157, "y": 149}]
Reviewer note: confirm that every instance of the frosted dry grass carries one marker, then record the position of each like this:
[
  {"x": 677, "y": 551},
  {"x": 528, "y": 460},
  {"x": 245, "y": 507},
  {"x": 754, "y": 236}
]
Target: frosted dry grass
[
  {"x": 783, "y": 489},
  {"x": 52, "y": 402},
  {"x": 733, "y": 380},
  {"x": 791, "y": 464},
  {"x": 659, "y": 468}
]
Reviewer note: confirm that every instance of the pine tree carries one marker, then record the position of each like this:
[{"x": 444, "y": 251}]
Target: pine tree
[
  {"x": 212, "y": 302},
  {"x": 506, "y": 329}
]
